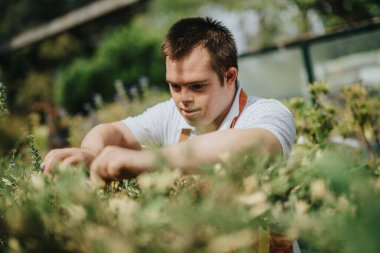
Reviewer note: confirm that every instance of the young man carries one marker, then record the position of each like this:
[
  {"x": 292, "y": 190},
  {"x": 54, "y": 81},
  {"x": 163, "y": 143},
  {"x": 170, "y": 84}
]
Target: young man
[{"x": 209, "y": 114}]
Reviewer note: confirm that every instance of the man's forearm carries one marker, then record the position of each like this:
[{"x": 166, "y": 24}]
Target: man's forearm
[
  {"x": 210, "y": 148},
  {"x": 101, "y": 136},
  {"x": 109, "y": 134},
  {"x": 188, "y": 156}
]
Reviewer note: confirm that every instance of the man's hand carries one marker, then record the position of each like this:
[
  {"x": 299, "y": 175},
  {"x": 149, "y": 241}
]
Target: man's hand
[
  {"x": 117, "y": 163},
  {"x": 68, "y": 157}
]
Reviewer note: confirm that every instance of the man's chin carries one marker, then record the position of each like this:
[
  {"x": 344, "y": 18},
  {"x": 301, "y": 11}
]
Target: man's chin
[{"x": 193, "y": 122}]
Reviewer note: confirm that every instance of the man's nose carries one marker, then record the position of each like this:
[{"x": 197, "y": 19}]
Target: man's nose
[{"x": 186, "y": 96}]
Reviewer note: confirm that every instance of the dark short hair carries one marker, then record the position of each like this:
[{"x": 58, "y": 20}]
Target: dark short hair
[{"x": 188, "y": 33}]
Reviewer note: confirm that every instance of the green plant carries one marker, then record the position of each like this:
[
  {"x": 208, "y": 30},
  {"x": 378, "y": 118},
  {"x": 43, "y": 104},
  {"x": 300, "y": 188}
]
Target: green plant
[
  {"x": 365, "y": 115},
  {"x": 325, "y": 196},
  {"x": 123, "y": 107},
  {"x": 118, "y": 58},
  {"x": 7, "y": 138},
  {"x": 314, "y": 120},
  {"x": 36, "y": 157},
  {"x": 3, "y": 104}
]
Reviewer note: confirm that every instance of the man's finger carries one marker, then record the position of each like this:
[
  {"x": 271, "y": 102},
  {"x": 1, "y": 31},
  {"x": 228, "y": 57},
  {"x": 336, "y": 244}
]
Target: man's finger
[
  {"x": 100, "y": 168},
  {"x": 95, "y": 178},
  {"x": 73, "y": 160},
  {"x": 54, "y": 157}
]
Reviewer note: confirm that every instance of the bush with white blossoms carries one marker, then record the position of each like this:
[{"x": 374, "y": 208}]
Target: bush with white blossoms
[{"x": 325, "y": 195}]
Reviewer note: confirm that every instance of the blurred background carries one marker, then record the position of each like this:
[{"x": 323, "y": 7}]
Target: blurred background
[{"x": 70, "y": 64}]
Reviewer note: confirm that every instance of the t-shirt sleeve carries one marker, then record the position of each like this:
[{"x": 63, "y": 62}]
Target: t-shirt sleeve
[
  {"x": 148, "y": 128},
  {"x": 273, "y": 116}
]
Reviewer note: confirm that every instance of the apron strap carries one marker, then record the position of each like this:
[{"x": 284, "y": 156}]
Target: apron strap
[
  {"x": 185, "y": 133},
  {"x": 242, "y": 102}
]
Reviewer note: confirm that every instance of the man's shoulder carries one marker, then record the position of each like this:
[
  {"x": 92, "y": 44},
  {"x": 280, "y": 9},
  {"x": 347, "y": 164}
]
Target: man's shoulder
[
  {"x": 156, "y": 125},
  {"x": 257, "y": 104},
  {"x": 272, "y": 115},
  {"x": 266, "y": 110}
]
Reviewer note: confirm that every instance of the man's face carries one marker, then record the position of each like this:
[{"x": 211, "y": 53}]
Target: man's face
[{"x": 197, "y": 91}]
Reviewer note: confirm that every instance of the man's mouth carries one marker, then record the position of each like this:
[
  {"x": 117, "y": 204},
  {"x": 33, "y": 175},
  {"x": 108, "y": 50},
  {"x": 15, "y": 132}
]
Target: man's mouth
[{"x": 189, "y": 113}]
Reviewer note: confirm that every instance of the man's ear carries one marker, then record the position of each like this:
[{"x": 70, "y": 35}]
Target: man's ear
[{"x": 231, "y": 75}]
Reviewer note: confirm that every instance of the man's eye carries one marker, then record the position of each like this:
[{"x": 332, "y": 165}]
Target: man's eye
[
  {"x": 175, "y": 87},
  {"x": 197, "y": 87}
]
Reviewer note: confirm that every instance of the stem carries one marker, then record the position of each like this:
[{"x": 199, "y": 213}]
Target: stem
[
  {"x": 368, "y": 145},
  {"x": 377, "y": 139}
]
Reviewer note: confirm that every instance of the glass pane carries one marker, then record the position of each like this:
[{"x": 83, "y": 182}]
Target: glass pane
[
  {"x": 344, "y": 61},
  {"x": 277, "y": 74}
]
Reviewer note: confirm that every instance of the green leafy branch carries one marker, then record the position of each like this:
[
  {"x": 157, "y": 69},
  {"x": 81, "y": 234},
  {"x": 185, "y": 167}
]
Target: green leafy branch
[
  {"x": 365, "y": 116},
  {"x": 314, "y": 120},
  {"x": 4, "y": 113}
]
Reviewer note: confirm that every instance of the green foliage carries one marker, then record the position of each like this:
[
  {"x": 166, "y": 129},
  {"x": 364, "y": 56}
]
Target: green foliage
[
  {"x": 37, "y": 87},
  {"x": 320, "y": 197},
  {"x": 3, "y": 104},
  {"x": 357, "y": 117},
  {"x": 315, "y": 119},
  {"x": 340, "y": 12},
  {"x": 364, "y": 118},
  {"x": 36, "y": 157},
  {"x": 80, "y": 125},
  {"x": 364, "y": 109},
  {"x": 119, "y": 57},
  {"x": 325, "y": 196},
  {"x": 7, "y": 140}
]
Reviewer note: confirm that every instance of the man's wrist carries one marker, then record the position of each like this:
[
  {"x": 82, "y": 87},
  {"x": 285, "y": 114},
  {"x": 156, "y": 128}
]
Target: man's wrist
[
  {"x": 92, "y": 150},
  {"x": 149, "y": 160}
]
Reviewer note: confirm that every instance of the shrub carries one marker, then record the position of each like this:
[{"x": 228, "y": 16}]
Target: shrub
[
  {"x": 325, "y": 195},
  {"x": 126, "y": 54},
  {"x": 3, "y": 104}
]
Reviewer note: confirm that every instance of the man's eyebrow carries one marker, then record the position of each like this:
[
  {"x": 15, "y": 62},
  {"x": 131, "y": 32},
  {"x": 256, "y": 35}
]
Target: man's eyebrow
[{"x": 189, "y": 83}]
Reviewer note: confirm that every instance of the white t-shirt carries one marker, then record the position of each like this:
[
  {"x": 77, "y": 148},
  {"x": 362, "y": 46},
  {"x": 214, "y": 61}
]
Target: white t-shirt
[{"x": 162, "y": 124}]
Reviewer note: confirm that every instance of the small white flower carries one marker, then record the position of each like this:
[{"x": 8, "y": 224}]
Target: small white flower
[
  {"x": 159, "y": 181},
  {"x": 77, "y": 213},
  {"x": 232, "y": 242},
  {"x": 219, "y": 170},
  {"x": 253, "y": 199},
  {"x": 37, "y": 181},
  {"x": 6, "y": 182},
  {"x": 125, "y": 208},
  {"x": 318, "y": 189},
  {"x": 258, "y": 210},
  {"x": 257, "y": 201},
  {"x": 302, "y": 207},
  {"x": 14, "y": 245},
  {"x": 250, "y": 184}
]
